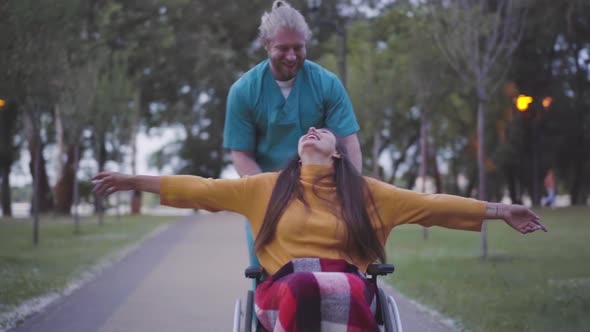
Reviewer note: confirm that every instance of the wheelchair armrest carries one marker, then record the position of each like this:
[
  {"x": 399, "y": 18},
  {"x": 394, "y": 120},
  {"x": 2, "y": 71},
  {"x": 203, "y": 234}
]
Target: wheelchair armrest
[
  {"x": 253, "y": 272},
  {"x": 380, "y": 269}
]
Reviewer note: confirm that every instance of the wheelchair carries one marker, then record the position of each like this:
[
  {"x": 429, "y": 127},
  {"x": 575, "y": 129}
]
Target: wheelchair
[{"x": 387, "y": 314}]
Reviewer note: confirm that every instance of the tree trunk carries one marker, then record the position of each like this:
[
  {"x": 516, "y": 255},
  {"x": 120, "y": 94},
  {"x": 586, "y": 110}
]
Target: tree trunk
[
  {"x": 576, "y": 187},
  {"x": 8, "y": 119},
  {"x": 424, "y": 158},
  {"x": 136, "y": 202},
  {"x": 76, "y": 190},
  {"x": 454, "y": 172},
  {"x": 102, "y": 159},
  {"x": 423, "y": 150},
  {"x": 512, "y": 185},
  {"x": 402, "y": 158},
  {"x": 471, "y": 188},
  {"x": 436, "y": 173},
  {"x": 5, "y": 192},
  {"x": 45, "y": 203},
  {"x": 64, "y": 188},
  {"x": 375, "y": 154},
  {"x": 135, "y": 195},
  {"x": 37, "y": 167},
  {"x": 536, "y": 177},
  {"x": 36, "y": 194},
  {"x": 481, "y": 165}
]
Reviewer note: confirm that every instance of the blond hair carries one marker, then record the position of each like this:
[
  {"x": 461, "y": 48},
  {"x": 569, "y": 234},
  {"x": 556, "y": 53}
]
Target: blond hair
[{"x": 282, "y": 16}]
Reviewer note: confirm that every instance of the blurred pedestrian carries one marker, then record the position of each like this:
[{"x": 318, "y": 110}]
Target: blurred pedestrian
[{"x": 549, "y": 182}]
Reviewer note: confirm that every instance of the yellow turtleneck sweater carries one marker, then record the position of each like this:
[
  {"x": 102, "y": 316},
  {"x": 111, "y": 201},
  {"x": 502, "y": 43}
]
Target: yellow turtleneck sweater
[{"x": 316, "y": 231}]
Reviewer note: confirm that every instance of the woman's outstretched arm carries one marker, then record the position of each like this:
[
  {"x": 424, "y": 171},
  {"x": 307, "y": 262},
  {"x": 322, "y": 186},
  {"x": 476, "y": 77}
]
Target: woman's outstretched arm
[
  {"x": 111, "y": 182},
  {"x": 400, "y": 206},
  {"x": 519, "y": 217},
  {"x": 248, "y": 195}
]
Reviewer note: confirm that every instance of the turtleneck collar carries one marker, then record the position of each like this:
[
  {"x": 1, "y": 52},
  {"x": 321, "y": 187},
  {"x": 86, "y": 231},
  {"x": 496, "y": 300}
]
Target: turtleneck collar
[{"x": 309, "y": 173}]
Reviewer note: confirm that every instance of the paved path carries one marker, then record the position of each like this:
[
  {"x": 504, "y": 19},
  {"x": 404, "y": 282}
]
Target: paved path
[{"x": 186, "y": 278}]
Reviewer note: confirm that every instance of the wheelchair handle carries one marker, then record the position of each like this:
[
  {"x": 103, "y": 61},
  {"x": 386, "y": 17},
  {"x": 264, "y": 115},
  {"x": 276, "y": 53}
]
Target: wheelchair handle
[
  {"x": 380, "y": 269},
  {"x": 253, "y": 272}
]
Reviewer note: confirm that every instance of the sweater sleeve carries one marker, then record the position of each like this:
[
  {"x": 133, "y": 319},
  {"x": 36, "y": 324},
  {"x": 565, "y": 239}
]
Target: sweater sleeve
[
  {"x": 400, "y": 206},
  {"x": 236, "y": 195}
]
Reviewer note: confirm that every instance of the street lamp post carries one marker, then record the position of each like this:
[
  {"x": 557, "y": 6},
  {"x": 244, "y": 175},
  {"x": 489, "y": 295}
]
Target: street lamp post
[{"x": 339, "y": 28}]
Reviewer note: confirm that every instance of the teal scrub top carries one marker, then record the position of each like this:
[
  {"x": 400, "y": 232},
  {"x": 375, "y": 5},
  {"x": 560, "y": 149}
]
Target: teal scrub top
[{"x": 260, "y": 119}]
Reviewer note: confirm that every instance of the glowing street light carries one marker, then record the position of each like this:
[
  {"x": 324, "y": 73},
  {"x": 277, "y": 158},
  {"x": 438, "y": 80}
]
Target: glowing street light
[
  {"x": 547, "y": 101},
  {"x": 523, "y": 102},
  {"x": 2, "y": 103}
]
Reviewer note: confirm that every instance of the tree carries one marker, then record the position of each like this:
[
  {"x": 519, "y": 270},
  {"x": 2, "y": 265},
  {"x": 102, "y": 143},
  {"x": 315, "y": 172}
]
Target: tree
[
  {"x": 36, "y": 27},
  {"x": 72, "y": 115},
  {"x": 8, "y": 114},
  {"x": 8, "y": 152},
  {"x": 381, "y": 102},
  {"x": 113, "y": 94},
  {"x": 40, "y": 36},
  {"x": 81, "y": 63},
  {"x": 478, "y": 39}
]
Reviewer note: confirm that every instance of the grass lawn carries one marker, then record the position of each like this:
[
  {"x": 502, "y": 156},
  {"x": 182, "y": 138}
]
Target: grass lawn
[
  {"x": 534, "y": 282},
  {"x": 27, "y": 271}
]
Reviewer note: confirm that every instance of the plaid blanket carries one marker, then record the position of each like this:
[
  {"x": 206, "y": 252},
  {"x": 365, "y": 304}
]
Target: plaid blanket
[{"x": 316, "y": 294}]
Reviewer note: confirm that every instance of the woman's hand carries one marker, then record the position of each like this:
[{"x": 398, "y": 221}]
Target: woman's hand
[
  {"x": 111, "y": 182},
  {"x": 521, "y": 218}
]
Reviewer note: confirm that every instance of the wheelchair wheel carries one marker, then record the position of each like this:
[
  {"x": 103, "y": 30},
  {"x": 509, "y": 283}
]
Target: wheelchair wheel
[
  {"x": 395, "y": 314},
  {"x": 389, "y": 313},
  {"x": 385, "y": 312},
  {"x": 237, "y": 316},
  {"x": 249, "y": 317}
]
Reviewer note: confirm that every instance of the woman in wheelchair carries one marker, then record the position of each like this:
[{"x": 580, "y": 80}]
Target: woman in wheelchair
[{"x": 319, "y": 215}]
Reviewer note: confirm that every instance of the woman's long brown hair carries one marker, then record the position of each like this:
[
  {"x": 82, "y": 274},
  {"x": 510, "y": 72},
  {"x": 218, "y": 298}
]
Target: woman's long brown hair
[{"x": 353, "y": 196}]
